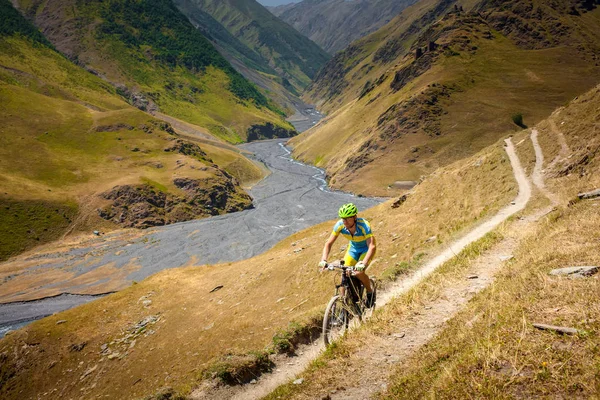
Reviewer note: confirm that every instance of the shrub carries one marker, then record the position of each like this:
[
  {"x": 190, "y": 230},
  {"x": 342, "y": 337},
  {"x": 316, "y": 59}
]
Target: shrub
[{"x": 518, "y": 120}]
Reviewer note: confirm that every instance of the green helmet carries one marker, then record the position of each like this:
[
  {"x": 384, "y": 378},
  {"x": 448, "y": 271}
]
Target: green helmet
[{"x": 347, "y": 210}]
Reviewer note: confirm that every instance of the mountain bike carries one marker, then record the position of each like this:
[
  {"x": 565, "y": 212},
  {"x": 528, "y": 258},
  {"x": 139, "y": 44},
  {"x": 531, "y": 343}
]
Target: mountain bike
[{"x": 347, "y": 306}]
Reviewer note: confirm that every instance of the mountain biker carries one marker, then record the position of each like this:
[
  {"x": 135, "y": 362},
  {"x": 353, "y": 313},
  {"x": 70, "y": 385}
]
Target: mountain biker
[{"x": 361, "y": 248}]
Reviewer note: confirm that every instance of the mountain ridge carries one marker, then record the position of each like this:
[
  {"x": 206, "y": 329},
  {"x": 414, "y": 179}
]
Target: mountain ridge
[
  {"x": 292, "y": 55},
  {"x": 131, "y": 45},
  {"x": 334, "y": 24}
]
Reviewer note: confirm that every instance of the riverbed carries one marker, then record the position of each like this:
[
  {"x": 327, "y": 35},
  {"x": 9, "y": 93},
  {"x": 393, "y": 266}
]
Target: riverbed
[{"x": 292, "y": 197}]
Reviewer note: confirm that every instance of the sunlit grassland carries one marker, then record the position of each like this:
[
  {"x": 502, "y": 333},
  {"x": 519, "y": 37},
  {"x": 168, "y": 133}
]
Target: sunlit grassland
[
  {"x": 323, "y": 370},
  {"x": 490, "y": 349},
  {"x": 244, "y": 170},
  {"x": 202, "y": 98}
]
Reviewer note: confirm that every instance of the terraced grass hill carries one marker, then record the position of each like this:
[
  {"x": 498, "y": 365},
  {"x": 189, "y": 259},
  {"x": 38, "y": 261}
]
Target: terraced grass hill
[
  {"x": 294, "y": 57},
  {"x": 158, "y": 61},
  {"x": 74, "y": 155},
  {"x": 334, "y": 24},
  {"x": 442, "y": 80}
]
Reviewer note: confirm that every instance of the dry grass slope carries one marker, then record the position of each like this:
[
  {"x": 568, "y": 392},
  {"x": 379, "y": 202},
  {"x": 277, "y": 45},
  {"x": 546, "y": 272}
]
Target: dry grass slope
[
  {"x": 67, "y": 136},
  {"x": 195, "y": 329},
  {"x": 490, "y": 349}
]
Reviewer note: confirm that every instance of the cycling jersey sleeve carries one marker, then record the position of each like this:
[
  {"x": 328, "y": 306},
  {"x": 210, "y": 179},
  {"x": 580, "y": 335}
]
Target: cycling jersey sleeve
[{"x": 337, "y": 228}]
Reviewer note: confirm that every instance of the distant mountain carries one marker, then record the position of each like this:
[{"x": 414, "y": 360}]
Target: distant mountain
[
  {"x": 75, "y": 156},
  {"x": 158, "y": 60},
  {"x": 245, "y": 60},
  {"x": 294, "y": 57},
  {"x": 443, "y": 80},
  {"x": 334, "y": 24}
]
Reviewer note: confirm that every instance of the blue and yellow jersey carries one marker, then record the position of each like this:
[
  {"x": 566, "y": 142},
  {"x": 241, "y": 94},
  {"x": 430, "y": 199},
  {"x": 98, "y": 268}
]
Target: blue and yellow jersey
[{"x": 359, "y": 240}]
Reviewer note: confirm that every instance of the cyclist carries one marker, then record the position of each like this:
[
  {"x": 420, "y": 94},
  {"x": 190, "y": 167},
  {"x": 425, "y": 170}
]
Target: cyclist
[{"x": 361, "y": 249}]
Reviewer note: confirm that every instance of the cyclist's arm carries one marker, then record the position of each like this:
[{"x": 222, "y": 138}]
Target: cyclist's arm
[
  {"x": 371, "y": 251},
  {"x": 327, "y": 247}
]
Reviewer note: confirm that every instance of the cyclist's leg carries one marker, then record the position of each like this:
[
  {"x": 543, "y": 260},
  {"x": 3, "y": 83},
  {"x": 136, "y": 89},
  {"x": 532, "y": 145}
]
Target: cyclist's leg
[{"x": 350, "y": 259}]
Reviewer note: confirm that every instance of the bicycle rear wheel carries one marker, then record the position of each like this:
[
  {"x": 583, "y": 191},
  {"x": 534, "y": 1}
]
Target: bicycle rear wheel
[{"x": 335, "y": 321}]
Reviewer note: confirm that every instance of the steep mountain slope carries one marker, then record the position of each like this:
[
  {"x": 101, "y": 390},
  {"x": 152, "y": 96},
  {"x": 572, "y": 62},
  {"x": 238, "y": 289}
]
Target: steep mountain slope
[
  {"x": 334, "y": 24},
  {"x": 245, "y": 60},
  {"x": 442, "y": 81},
  {"x": 75, "y": 156},
  {"x": 158, "y": 60},
  {"x": 292, "y": 55}
]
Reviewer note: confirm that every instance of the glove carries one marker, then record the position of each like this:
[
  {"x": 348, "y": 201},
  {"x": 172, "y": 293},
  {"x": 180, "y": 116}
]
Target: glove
[
  {"x": 322, "y": 264},
  {"x": 360, "y": 266}
]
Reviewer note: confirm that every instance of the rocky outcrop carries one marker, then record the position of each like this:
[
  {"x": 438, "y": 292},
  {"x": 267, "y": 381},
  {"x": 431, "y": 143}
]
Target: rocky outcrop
[
  {"x": 143, "y": 206},
  {"x": 188, "y": 149},
  {"x": 137, "y": 99},
  {"x": 538, "y": 26},
  {"x": 269, "y": 131},
  {"x": 420, "y": 112}
]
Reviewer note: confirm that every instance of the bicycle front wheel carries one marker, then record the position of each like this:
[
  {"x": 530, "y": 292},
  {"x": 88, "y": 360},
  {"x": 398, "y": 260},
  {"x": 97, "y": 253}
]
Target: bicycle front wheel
[{"x": 335, "y": 321}]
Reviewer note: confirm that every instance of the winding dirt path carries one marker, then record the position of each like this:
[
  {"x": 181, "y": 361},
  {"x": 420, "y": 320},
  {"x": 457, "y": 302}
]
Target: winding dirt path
[
  {"x": 384, "y": 351},
  {"x": 562, "y": 141},
  {"x": 538, "y": 170}
]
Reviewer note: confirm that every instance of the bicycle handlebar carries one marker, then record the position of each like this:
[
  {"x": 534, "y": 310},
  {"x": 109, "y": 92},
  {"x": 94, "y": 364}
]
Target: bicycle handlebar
[{"x": 332, "y": 266}]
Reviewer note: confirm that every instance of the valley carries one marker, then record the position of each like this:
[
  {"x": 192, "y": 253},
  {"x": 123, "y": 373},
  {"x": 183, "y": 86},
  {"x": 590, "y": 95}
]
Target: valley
[{"x": 171, "y": 169}]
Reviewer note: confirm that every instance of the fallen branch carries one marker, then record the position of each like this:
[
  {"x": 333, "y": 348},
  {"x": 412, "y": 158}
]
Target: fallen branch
[
  {"x": 558, "y": 329},
  {"x": 589, "y": 195}
]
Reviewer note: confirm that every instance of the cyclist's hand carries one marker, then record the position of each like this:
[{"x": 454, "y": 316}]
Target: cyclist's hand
[
  {"x": 322, "y": 264},
  {"x": 360, "y": 266}
]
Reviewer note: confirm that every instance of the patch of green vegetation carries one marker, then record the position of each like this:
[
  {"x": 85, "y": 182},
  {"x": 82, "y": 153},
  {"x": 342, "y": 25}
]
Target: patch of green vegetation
[
  {"x": 13, "y": 23},
  {"x": 286, "y": 340},
  {"x": 518, "y": 120},
  {"x": 25, "y": 224},
  {"x": 159, "y": 27},
  {"x": 235, "y": 369}
]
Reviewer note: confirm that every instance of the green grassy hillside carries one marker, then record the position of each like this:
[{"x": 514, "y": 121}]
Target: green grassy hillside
[
  {"x": 293, "y": 56},
  {"x": 157, "y": 60},
  {"x": 389, "y": 111},
  {"x": 67, "y": 136},
  {"x": 244, "y": 59}
]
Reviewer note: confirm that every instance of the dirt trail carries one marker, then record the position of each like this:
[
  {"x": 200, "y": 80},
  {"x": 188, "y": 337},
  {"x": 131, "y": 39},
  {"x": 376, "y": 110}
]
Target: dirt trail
[
  {"x": 564, "y": 147},
  {"x": 385, "y": 351},
  {"x": 538, "y": 170}
]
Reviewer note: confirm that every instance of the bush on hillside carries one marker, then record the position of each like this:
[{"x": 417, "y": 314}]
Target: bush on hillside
[{"x": 518, "y": 120}]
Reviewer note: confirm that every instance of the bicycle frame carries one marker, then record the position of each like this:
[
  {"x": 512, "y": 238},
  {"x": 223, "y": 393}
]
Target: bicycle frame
[{"x": 353, "y": 290}]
